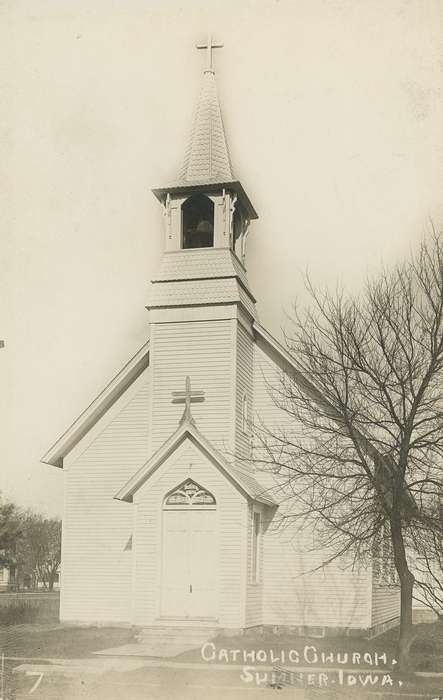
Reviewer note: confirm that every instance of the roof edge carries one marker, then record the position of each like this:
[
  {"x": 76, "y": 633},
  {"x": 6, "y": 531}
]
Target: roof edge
[
  {"x": 186, "y": 429},
  {"x": 200, "y": 186},
  {"x": 310, "y": 387},
  {"x": 97, "y": 408},
  {"x": 205, "y": 278}
]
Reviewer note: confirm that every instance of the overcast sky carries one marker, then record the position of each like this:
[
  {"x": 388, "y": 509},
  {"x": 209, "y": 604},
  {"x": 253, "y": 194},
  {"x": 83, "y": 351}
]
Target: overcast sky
[{"x": 333, "y": 112}]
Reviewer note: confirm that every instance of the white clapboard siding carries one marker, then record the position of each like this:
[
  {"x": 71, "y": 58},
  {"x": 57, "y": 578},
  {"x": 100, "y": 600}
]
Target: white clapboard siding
[
  {"x": 204, "y": 350},
  {"x": 189, "y": 461},
  {"x": 244, "y": 387},
  {"x": 385, "y": 603},
  {"x": 332, "y": 596},
  {"x": 329, "y": 597},
  {"x": 97, "y": 559}
]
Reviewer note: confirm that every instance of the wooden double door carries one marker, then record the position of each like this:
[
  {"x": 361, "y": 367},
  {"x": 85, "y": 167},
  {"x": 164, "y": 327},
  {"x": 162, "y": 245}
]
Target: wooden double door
[{"x": 189, "y": 563}]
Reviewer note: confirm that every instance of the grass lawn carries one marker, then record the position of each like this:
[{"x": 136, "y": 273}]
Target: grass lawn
[
  {"x": 29, "y": 608},
  {"x": 63, "y": 641},
  {"x": 60, "y": 641},
  {"x": 427, "y": 647}
]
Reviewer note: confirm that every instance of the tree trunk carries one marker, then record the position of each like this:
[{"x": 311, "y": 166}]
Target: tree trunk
[
  {"x": 52, "y": 573},
  {"x": 406, "y": 636},
  {"x": 406, "y": 589}
]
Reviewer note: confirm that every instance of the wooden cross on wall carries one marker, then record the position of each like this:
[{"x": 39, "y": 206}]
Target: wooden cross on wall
[
  {"x": 187, "y": 397},
  {"x": 209, "y": 46}
]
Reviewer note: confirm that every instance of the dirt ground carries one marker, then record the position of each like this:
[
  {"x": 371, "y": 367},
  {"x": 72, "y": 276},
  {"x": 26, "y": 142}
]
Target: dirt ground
[{"x": 34, "y": 648}]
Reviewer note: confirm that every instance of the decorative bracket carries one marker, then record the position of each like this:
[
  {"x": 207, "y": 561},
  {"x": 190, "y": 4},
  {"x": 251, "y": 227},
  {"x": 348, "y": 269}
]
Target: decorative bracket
[
  {"x": 244, "y": 239},
  {"x": 167, "y": 215}
]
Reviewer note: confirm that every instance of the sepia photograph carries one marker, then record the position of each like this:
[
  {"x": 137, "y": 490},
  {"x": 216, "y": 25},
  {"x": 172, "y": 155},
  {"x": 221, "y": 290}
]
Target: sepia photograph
[{"x": 221, "y": 349}]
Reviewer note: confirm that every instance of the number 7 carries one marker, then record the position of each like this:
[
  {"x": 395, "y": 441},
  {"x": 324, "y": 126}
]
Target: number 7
[{"x": 37, "y": 682}]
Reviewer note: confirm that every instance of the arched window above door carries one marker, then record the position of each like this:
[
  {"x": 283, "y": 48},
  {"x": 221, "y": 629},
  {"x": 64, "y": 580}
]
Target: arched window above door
[{"x": 190, "y": 494}]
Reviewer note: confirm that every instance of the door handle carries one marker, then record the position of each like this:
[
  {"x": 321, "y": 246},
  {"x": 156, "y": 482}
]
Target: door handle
[{"x": 190, "y": 588}]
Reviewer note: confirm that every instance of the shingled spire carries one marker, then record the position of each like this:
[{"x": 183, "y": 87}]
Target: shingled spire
[
  {"x": 206, "y": 207},
  {"x": 207, "y": 157}
]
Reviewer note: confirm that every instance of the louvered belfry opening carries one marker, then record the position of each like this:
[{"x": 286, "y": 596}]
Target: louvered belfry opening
[{"x": 198, "y": 222}]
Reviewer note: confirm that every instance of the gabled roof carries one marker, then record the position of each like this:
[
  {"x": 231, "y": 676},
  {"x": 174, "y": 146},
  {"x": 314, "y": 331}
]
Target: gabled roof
[
  {"x": 287, "y": 362},
  {"x": 97, "y": 408},
  {"x": 207, "y": 156},
  {"x": 244, "y": 481}
]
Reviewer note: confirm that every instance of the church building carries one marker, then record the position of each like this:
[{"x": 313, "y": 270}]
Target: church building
[{"x": 167, "y": 520}]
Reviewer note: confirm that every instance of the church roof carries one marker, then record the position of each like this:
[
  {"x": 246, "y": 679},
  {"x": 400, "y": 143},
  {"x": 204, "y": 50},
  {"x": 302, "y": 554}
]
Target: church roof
[
  {"x": 242, "y": 479},
  {"x": 207, "y": 156},
  {"x": 116, "y": 387},
  {"x": 289, "y": 364},
  {"x": 133, "y": 369}
]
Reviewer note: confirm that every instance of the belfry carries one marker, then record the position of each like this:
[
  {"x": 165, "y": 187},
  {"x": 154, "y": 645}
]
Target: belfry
[{"x": 169, "y": 518}]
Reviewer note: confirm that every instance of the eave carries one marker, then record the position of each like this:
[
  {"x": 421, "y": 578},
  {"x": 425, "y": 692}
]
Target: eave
[
  {"x": 205, "y": 186},
  {"x": 288, "y": 362}
]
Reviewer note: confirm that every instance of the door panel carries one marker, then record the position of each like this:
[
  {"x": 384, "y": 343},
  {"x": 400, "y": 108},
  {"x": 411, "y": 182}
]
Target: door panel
[
  {"x": 175, "y": 563},
  {"x": 202, "y": 563},
  {"x": 189, "y": 573}
]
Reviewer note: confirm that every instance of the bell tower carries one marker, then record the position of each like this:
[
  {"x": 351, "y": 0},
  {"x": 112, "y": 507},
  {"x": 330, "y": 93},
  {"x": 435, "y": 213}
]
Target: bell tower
[
  {"x": 206, "y": 209},
  {"x": 201, "y": 307}
]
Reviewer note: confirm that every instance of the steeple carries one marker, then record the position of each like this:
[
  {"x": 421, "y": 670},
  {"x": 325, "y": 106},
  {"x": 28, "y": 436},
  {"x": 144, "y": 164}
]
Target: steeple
[
  {"x": 207, "y": 162},
  {"x": 207, "y": 215},
  {"x": 207, "y": 157}
]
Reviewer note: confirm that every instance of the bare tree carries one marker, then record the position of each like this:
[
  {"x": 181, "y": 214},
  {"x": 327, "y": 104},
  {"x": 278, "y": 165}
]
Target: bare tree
[
  {"x": 427, "y": 545},
  {"x": 39, "y": 549},
  {"x": 362, "y": 451}
]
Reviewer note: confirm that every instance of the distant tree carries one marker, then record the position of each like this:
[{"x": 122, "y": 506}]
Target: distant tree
[
  {"x": 39, "y": 549},
  {"x": 10, "y": 532},
  {"x": 50, "y": 565},
  {"x": 362, "y": 453}
]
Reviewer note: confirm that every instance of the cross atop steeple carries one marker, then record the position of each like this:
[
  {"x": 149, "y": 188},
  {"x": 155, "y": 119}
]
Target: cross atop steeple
[
  {"x": 187, "y": 397},
  {"x": 209, "y": 46}
]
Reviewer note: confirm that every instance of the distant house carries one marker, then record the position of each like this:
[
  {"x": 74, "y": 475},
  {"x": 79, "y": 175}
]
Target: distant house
[
  {"x": 12, "y": 580},
  {"x": 7, "y": 578}
]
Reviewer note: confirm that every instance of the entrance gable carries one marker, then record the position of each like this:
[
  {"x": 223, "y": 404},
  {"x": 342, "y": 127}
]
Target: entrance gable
[
  {"x": 204, "y": 510},
  {"x": 187, "y": 432},
  {"x": 187, "y": 463}
]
